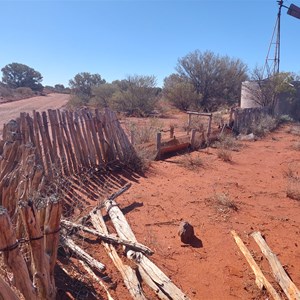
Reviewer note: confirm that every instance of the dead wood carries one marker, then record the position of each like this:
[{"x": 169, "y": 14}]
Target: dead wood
[
  {"x": 6, "y": 291},
  {"x": 110, "y": 238},
  {"x": 51, "y": 230},
  {"x": 260, "y": 279},
  {"x": 96, "y": 278},
  {"x": 128, "y": 274},
  {"x": 81, "y": 254},
  {"x": 13, "y": 257},
  {"x": 155, "y": 278},
  {"x": 279, "y": 273},
  {"x": 41, "y": 267}
]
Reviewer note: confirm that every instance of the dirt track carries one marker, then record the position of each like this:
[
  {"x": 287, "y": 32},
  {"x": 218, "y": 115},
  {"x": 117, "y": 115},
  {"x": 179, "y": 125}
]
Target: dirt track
[{"x": 11, "y": 110}]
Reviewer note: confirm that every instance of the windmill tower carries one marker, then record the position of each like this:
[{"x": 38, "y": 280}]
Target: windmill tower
[{"x": 272, "y": 62}]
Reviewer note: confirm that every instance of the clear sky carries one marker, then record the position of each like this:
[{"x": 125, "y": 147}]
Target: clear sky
[{"x": 120, "y": 38}]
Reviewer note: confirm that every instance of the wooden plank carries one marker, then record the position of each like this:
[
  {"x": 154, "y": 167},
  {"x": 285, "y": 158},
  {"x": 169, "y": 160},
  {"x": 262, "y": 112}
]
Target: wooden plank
[
  {"x": 279, "y": 273},
  {"x": 110, "y": 238},
  {"x": 87, "y": 138},
  {"x": 82, "y": 141},
  {"x": 90, "y": 121},
  {"x": 72, "y": 148},
  {"x": 260, "y": 279},
  {"x": 160, "y": 282},
  {"x": 99, "y": 127},
  {"x": 46, "y": 156},
  {"x": 47, "y": 136},
  {"x": 81, "y": 254},
  {"x": 129, "y": 276},
  {"x": 37, "y": 139}
]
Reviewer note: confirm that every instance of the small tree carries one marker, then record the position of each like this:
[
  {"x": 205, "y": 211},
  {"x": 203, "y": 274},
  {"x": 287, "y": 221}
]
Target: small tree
[
  {"x": 137, "y": 96},
  {"x": 216, "y": 78},
  {"x": 83, "y": 83},
  {"x": 266, "y": 91},
  {"x": 102, "y": 94},
  {"x": 180, "y": 92},
  {"x": 17, "y": 75}
]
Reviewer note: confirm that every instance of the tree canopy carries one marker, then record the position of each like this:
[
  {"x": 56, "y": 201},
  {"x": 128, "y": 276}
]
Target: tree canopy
[
  {"x": 17, "y": 75},
  {"x": 217, "y": 79},
  {"x": 83, "y": 83}
]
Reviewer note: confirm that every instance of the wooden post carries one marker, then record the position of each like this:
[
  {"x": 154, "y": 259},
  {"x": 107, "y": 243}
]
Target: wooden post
[
  {"x": 51, "y": 231},
  {"x": 172, "y": 128},
  {"x": 158, "y": 144},
  {"x": 279, "y": 273},
  {"x": 209, "y": 126},
  {"x": 13, "y": 258},
  {"x": 193, "y": 139},
  {"x": 189, "y": 123},
  {"x": 260, "y": 280},
  {"x": 41, "y": 267}
]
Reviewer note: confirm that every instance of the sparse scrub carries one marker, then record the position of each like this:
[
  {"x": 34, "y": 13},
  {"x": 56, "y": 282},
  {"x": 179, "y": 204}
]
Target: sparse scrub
[
  {"x": 296, "y": 146},
  {"x": 144, "y": 133},
  {"x": 295, "y": 130},
  {"x": 293, "y": 190},
  {"x": 263, "y": 126},
  {"x": 191, "y": 162},
  {"x": 227, "y": 142},
  {"x": 293, "y": 182},
  {"x": 222, "y": 204},
  {"x": 224, "y": 154}
]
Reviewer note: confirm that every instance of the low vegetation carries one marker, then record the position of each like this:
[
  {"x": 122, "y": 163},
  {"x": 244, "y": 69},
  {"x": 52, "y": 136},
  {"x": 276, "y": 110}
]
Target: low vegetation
[{"x": 191, "y": 162}]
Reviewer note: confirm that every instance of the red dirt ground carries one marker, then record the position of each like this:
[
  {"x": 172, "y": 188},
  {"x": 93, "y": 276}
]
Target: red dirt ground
[{"x": 213, "y": 268}]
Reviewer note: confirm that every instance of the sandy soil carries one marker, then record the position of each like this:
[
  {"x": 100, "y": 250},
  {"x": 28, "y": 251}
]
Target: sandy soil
[
  {"x": 255, "y": 182},
  {"x": 11, "y": 110},
  {"x": 212, "y": 267}
]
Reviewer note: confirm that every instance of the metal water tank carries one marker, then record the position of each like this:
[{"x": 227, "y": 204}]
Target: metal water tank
[{"x": 249, "y": 94}]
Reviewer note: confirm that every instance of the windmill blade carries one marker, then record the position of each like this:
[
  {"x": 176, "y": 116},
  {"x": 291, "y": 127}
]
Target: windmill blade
[{"x": 294, "y": 11}]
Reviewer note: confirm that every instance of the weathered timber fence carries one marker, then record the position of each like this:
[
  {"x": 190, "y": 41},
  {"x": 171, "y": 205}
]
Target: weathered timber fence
[
  {"x": 43, "y": 147},
  {"x": 245, "y": 118},
  {"x": 71, "y": 141}
]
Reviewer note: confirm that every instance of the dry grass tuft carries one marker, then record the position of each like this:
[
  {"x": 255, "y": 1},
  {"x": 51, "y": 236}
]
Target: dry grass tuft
[
  {"x": 296, "y": 146},
  {"x": 191, "y": 162},
  {"x": 225, "y": 155},
  {"x": 227, "y": 142},
  {"x": 293, "y": 183}
]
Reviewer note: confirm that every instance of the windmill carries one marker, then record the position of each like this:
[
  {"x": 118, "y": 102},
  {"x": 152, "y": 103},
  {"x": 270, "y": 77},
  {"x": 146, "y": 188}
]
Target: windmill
[{"x": 273, "y": 57}]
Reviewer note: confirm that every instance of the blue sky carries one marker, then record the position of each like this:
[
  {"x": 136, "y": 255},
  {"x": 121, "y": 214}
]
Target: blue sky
[{"x": 120, "y": 38}]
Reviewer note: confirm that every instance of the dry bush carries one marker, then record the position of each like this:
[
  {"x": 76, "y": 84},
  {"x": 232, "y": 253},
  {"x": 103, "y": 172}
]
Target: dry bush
[
  {"x": 293, "y": 190},
  {"x": 296, "y": 146},
  {"x": 295, "y": 130},
  {"x": 222, "y": 204},
  {"x": 293, "y": 182},
  {"x": 224, "y": 154},
  {"x": 227, "y": 142},
  {"x": 191, "y": 162},
  {"x": 264, "y": 126},
  {"x": 144, "y": 133}
]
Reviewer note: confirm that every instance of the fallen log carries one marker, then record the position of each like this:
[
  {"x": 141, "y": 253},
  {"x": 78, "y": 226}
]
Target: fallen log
[
  {"x": 128, "y": 274},
  {"x": 110, "y": 238},
  {"x": 81, "y": 254},
  {"x": 153, "y": 276},
  {"x": 95, "y": 277},
  {"x": 279, "y": 273},
  {"x": 260, "y": 280}
]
